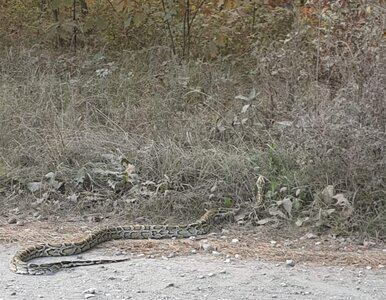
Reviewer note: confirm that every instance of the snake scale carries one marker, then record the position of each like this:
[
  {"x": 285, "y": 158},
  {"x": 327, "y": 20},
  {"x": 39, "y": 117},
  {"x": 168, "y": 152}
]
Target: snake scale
[{"x": 20, "y": 265}]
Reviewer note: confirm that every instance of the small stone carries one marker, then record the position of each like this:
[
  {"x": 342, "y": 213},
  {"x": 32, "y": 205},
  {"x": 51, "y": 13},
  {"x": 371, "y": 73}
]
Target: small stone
[
  {"x": 12, "y": 220},
  {"x": 89, "y": 291},
  {"x": 368, "y": 268},
  {"x": 228, "y": 260},
  {"x": 211, "y": 274},
  {"x": 20, "y": 223},
  {"x": 237, "y": 256},
  {"x": 381, "y": 266},
  {"x": 290, "y": 263},
  {"x": 222, "y": 271},
  {"x": 225, "y": 231},
  {"x": 193, "y": 251},
  {"x": 201, "y": 277},
  {"x": 216, "y": 253},
  {"x": 234, "y": 241},
  {"x": 40, "y": 296},
  {"x": 274, "y": 296},
  {"x": 169, "y": 285},
  {"x": 13, "y": 293},
  {"x": 172, "y": 254},
  {"x": 273, "y": 243},
  {"x": 283, "y": 284},
  {"x": 88, "y": 296}
]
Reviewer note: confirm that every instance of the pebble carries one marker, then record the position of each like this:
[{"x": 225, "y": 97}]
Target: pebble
[
  {"x": 89, "y": 291},
  {"x": 234, "y": 241},
  {"x": 88, "y": 296},
  {"x": 228, "y": 260},
  {"x": 290, "y": 263},
  {"x": 12, "y": 220},
  {"x": 169, "y": 285},
  {"x": 237, "y": 256},
  {"x": 20, "y": 223}
]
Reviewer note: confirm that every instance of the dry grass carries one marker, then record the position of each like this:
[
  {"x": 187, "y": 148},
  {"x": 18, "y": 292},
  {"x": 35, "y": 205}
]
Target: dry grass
[{"x": 318, "y": 119}]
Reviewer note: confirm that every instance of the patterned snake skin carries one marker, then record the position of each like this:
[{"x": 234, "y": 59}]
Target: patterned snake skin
[{"x": 19, "y": 263}]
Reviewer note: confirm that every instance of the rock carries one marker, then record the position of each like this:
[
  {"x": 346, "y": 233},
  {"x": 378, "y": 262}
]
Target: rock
[
  {"x": 234, "y": 241},
  {"x": 12, "y": 220},
  {"x": 290, "y": 263},
  {"x": 88, "y": 296},
  {"x": 20, "y": 223},
  {"x": 89, "y": 291}
]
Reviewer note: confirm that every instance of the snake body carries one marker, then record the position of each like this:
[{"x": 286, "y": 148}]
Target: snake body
[{"x": 20, "y": 262}]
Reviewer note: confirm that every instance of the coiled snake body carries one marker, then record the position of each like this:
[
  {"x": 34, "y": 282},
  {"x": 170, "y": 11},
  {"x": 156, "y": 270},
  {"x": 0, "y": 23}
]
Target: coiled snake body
[{"x": 19, "y": 263}]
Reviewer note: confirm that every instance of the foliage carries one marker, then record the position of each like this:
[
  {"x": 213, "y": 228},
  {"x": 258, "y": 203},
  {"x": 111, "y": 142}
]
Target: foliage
[{"x": 276, "y": 105}]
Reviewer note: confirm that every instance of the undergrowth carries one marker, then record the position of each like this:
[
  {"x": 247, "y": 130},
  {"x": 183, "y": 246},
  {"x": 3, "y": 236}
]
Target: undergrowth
[{"x": 294, "y": 132}]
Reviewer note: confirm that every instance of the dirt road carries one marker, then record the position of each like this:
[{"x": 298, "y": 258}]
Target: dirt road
[{"x": 196, "y": 276}]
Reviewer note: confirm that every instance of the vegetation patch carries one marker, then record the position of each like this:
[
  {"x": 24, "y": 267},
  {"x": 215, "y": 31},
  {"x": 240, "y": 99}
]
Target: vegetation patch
[{"x": 278, "y": 109}]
